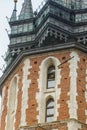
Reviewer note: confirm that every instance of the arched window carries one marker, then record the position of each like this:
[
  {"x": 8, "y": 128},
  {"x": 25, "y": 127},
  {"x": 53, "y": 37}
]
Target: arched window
[
  {"x": 50, "y": 110},
  {"x": 48, "y": 88},
  {"x": 51, "y": 77},
  {"x": 12, "y": 95}
]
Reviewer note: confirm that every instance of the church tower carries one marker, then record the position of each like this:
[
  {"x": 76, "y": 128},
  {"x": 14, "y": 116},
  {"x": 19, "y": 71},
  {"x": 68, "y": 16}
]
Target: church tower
[{"x": 44, "y": 84}]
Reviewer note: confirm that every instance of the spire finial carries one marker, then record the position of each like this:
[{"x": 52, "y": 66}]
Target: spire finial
[
  {"x": 15, "y": 1},
  {"x": 13, "y": 17}
]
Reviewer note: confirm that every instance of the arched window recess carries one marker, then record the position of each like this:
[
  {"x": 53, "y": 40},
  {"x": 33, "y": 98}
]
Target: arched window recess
[
  {"x": 50, "y": 110},
  {"x": 51, "y": 77}
]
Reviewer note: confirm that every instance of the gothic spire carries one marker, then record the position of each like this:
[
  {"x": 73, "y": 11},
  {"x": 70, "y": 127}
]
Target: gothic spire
[
  {"x": 26, "y": 11},
  {"x": 14, "y": 17}
]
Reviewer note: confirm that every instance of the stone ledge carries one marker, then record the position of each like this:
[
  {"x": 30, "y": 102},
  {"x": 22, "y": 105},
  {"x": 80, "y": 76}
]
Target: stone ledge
[{"x": 70, "y": 123}]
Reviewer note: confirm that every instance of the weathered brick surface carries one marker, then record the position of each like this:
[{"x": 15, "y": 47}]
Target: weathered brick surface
[
  {"x": 19, "y": 97},
  {"x": 65, "y": 87},
  {"x": 81, "y": 88},
  {"x": 4, "y": 112},
  {"x": 31, "y": 112},
  {"x": 7, "y": 85}
]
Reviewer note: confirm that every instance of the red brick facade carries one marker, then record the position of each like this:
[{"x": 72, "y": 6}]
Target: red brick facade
[{"x": 31, "y": 111}]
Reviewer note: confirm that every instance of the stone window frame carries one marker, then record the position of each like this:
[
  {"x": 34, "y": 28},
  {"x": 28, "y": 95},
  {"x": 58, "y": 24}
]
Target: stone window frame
[{"x": 44, "y": 93}]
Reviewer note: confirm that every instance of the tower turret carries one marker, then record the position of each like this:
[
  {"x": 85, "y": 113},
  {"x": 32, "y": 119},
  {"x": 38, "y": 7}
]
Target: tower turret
[
  {"x": 14, "y": 15},
  {"x": 67, "y": 18},
  {"x": 26, "y": 11},
  {"x": 44, "y": 86},
  {"x": 21, "y": 27}
]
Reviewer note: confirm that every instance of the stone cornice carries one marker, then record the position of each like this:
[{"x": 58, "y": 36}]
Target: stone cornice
[{"x": 55, "y": 124}]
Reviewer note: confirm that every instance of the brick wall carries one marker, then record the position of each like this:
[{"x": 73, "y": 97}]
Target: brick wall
[{"x": 73, "y": 75}]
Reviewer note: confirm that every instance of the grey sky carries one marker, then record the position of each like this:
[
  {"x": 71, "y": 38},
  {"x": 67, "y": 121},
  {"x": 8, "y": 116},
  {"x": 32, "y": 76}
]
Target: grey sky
[{"x": 6, "y": 8}]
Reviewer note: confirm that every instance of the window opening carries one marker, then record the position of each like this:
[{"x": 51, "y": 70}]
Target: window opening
[
  {"x": 50, "y": 110},
  {"x": 51, "y": 77}
]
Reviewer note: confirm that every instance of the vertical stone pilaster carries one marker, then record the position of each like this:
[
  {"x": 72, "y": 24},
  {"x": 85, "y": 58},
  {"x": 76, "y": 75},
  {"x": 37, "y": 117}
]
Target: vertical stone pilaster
[
  {"x": 4, "y": 107},
  {"x": 25, "y": 87},
  {"x": 72, "y": 103},
  {"x": 31, "y": 112},
  {"x": 74, "y": 125},
  {"x": 64, "y": 86}
]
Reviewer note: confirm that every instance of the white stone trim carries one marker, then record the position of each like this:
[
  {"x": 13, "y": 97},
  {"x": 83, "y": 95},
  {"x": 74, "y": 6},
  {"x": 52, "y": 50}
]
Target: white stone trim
[
  {"x": 73, "y": 125},
  {"x": 2, "y": 105},
  {"x": 72, "y": 103},
  {"x": 44, "y": 93},
  {"x": 10, "y": 118},
  {"x": 86, "y": 96},
  {"x": 2, "y": 99},
  {"x": 26, "y": 83}
]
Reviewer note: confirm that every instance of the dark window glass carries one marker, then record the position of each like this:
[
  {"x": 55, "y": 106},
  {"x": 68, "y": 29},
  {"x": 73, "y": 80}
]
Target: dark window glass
[
  {"x": 50, "y": 110},
  {"x": 51, "y": 77}
]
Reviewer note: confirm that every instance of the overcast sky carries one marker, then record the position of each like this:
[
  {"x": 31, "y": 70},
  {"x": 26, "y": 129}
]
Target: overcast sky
[{"x": 6, "y": 8}]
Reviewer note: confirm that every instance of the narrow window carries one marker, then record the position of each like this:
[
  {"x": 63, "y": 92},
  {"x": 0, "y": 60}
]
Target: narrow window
[
  {"x": 50, "y": 110},
  {"x": 51, "y": 77}
]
